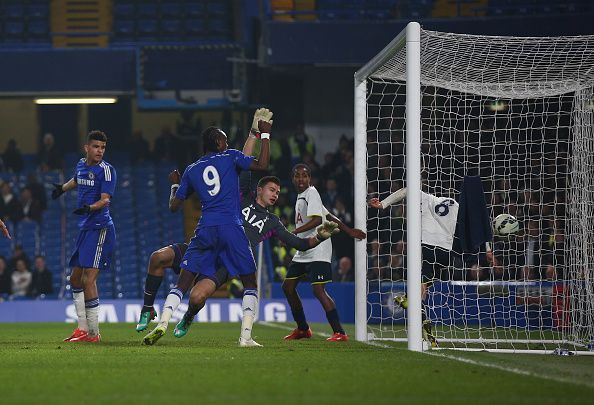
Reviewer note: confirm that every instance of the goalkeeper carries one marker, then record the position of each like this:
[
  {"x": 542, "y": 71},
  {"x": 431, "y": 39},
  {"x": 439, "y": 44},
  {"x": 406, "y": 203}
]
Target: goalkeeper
[
  {"x": 447, "y": 228},
  {"x": 259, "y": 225}
]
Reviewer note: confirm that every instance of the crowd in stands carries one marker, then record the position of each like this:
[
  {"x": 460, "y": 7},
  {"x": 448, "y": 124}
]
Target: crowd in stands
[{"x": 19, "y": 280}]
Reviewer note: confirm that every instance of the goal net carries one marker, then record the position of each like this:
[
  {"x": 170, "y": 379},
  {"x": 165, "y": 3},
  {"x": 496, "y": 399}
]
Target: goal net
[{"x": 519, "y": 114}]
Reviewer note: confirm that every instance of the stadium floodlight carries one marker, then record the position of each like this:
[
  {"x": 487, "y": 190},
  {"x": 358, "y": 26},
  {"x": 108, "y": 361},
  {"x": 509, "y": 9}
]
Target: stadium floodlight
[
  {"x": 432, "y": 108},
  {"x": 76, "y": 100}
]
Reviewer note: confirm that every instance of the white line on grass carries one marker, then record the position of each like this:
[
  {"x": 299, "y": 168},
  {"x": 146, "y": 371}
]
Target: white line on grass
[{"x": 508, "y": 369}]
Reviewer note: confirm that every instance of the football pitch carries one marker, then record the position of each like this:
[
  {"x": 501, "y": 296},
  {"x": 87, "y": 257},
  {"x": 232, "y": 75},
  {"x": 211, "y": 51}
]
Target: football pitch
[{"x": 206, "y": 366}]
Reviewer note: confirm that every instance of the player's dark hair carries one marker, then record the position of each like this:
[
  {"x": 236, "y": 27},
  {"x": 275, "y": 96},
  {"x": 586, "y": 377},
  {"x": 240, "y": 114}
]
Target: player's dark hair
[
  {"x": 96, "y": 135},
  {"x": 301, "y": 166},
  {"x": 269, "y": 179},
  {"x": 209, "y": 139}
]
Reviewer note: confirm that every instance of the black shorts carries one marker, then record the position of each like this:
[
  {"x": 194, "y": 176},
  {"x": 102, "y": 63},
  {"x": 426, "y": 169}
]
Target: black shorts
[
  {"x": 316, "y": 272},
  {"x": 436, "y": 259},
  {"x": 180, "y": 250}
]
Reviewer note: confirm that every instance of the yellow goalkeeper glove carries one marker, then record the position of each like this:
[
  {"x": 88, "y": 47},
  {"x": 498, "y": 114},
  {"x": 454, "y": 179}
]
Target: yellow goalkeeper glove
[
  {"x": 261, "y": 114},
  {"x": 326, "y": 230}
]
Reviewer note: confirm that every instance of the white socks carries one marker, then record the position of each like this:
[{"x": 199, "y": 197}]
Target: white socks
[
  {"x": 249, "y": 306},
  {"x": 171, "y": 303},
  {"x": 92, "y": 310},
  {"x": 78, "y": 296}
]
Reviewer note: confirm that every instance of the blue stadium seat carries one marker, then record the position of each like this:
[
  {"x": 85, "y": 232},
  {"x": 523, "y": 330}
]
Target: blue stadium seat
[
  {"x": 38, "y": 28},
  {"x": 14, "y": 11},
  {"x": 195, "y": 27},
  {"x": 195, "y": 9},
  {"x": 124, "y": 10},
  {"x": 171, "y": 9},
  {"x": 40, "y": 11},
  {"x": 124, "y": 28},
  {"x": 14, "y": 28},
  {"x": 171, "y": 27}
]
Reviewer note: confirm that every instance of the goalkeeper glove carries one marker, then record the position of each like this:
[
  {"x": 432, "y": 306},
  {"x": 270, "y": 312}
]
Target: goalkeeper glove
[
  {"x": 57, "y": 191},
  {"x": 261, "y": 114},
  {"x": 326, "y": 230},
  {"x": 85, "y": 209}
]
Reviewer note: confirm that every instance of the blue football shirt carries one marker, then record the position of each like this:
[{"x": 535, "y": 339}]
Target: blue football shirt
[
  {"x": 215, "y": 178},
  {"x": 91, "y": 181}
]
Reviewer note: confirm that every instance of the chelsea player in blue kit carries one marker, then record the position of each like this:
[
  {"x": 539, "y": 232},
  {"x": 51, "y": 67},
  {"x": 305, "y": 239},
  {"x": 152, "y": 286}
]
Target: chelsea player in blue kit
[
  {"x": 95, "y": 180},
  {"x": 220, "y": 237}
]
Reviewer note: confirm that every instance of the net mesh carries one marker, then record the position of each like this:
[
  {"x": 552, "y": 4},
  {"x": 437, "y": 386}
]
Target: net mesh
[{"x": 518, "y": 112}]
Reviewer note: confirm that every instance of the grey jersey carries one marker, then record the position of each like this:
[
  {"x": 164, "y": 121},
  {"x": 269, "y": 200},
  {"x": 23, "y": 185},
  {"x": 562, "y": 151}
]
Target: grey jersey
[{"x": 260, "y": 224}]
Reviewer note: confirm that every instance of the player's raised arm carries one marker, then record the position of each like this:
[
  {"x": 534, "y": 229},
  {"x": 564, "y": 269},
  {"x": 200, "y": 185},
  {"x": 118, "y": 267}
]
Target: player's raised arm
[
  {"x": 60, "y": 189},
  {"x": 174, "y": 202},
  {"x": 393, "y": 198},
  {"x": 261, "y": 163},
  {"x": 250, "y": 143}
]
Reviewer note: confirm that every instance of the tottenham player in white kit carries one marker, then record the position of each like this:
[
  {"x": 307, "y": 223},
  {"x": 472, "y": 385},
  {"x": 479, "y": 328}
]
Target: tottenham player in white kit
[{"x": 315, "y": 263}]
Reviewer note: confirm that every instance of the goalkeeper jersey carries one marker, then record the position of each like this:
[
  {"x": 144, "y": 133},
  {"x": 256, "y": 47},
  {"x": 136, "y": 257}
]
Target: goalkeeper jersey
[{"x": 438, "y": 217}]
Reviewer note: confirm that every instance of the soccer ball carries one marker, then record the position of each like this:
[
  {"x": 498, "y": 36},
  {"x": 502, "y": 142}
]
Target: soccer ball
[{"x": 505, "y": 225}]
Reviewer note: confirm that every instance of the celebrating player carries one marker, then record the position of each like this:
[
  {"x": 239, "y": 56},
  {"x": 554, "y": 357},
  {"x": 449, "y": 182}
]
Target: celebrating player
[
  {"x": 95, "y": 180},
  {"x": 315, "y": 263},
  {"x": 4, "y": 230}
]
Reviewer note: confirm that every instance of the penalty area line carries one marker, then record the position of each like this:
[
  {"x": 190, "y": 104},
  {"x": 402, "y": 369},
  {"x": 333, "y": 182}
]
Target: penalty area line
[{"x": 512, "y": 370}]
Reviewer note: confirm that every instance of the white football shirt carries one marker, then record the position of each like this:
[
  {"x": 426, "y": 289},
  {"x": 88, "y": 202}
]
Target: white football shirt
[
  {"x": 309, "y": 205},
  {"x": 438, "y": 220}
]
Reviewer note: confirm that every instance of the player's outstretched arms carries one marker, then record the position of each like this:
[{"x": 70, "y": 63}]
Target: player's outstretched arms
[
  {"x": 60, "y": 189},
  {"x": 261, "y": 163},
  {"x": 294, "y": 241},
  {"x": 354, "y": 233},
  {"x": 4, "y": 230},
  {"x": 174, "y": 202},
  {"x": 393, "y": 198}
]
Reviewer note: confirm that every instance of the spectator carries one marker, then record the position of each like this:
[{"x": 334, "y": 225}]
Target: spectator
[
  {"x": 37, "y": 190},
  {"x": 139, "y": 147},
  {"x": 19, "y": 254},
  {"x": 330, "y": 194},
  {"x": 42, "y": 279},
  {"x": 5, "y": 279},
  {"x": 10, "y": 208},
  {"x": 30, "y": 209},
  {"x": 49, "y": 157},
  {"x": 345, "y": 271},
  {"x": 13, "y": 159},
  {"x": 21, "y": 279},
  {"x": 301, "y": 145}
]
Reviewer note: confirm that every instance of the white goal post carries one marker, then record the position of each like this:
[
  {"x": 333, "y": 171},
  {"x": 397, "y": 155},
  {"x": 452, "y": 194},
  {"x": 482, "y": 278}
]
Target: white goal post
[{"x": 517, "y": 112}]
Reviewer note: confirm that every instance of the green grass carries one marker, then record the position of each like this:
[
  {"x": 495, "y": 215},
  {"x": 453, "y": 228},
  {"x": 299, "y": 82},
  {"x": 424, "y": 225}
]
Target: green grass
[{"x": 207, "y": 366}]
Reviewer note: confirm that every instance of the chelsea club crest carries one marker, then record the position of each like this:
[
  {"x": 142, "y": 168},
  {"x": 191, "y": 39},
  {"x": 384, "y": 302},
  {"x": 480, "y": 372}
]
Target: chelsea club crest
[{"x": 91, "y": 176}]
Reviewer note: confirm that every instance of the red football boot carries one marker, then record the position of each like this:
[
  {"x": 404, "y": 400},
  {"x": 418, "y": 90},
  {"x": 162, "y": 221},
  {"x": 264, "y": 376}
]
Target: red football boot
[
  {"x": 338, "y": 337},
  {"x": 77, "y": 335},
  {"x": 299, "y": 334},
  {"x": 92, "y": 339}
]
